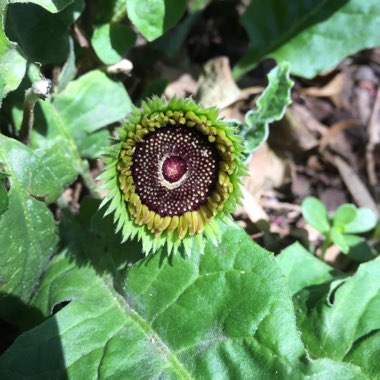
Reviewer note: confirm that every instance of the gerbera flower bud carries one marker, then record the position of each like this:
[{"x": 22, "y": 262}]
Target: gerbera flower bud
[{"x": 173, "y": 173}]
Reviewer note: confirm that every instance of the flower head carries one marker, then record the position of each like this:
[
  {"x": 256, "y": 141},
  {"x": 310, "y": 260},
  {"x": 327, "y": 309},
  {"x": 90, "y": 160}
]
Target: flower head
[{"x": 172, "y": 174}]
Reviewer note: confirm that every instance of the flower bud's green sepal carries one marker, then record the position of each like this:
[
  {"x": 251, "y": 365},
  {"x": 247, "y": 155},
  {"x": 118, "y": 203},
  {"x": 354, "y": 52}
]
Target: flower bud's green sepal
[{"x": 172, "y": 174}]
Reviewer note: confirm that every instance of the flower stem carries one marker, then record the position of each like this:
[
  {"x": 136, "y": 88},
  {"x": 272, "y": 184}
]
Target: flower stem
[
  {"x": 326, "y": 244},
  {"x": 39, "y": 90},
  {"x": 88, "y": 180}
]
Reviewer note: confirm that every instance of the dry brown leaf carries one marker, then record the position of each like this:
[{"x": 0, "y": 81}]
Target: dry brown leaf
[
  {"x": 216, "y": 86},
  {"x": 355, "y": 185},
  {"x": 266, "y": 171},
  {"x": 340, "y": 138},
  {"x": 331, "y": 89},
  {"x": 181, "y": 87},
  {"x": 373, "y": 142},
  {"x": 291, "y": 131},
  {"x": 251, "y": 208},
  {"x": 308, "y": 119}
]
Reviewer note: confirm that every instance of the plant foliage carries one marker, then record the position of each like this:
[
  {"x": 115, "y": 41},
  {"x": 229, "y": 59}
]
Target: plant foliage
[{"x": 84, "y": 304}]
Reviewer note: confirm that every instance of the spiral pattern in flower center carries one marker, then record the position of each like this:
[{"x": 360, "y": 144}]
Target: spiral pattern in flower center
[{"x": 174, "y": 170}]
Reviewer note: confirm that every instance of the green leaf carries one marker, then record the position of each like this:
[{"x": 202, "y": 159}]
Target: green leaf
[
  {"x": 39, "y": 32},
  {"x": 345, "y": 316},
  {"x": 345, "y": 214},
  {"x": 365, "y": 353},
  {"x": 108, "y": 11},
  {"x": 52, "y": 6},
  {"x": 337, "y": 317},
  {"x": 154, "y": 17},
  {"x": 111, "y": 42},
  {"x": 175, "y": 39},
  {"x": 359, "y": 249},
  {"x": 315, "y": 213},
  {"x": 270, "y": 106},
  {"x": 197, "y": 5},
  {"x": 4, "y": 199},
  {"x": 28, "y": 234},
  {"x": 68, "y": 71},
  {"x": 330, "y": 31},
  {"x": 302, "y": 269},
  {"x": 90, "y": 239},
  {"x": 92, "y": 102},
  {"x": 59, "y": 162},
  {"x": 12, "y": 63},
  {"x": 224, "y": 314},
  {"x": 339, "y": 239},
  {"x": 2, "y": 85},
  {"x": 364, "y": 221},
  {"x": 74, "y": 118},
  {"x": 308, "y": 279}
]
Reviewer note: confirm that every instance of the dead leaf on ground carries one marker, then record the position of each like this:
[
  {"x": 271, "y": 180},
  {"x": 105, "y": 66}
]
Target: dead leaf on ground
[
  {"x": 343, "y": 137},
  {"x": 331, "y": 90},
  {"x": 216, "y": 87},
  {"x": 251, "y": 208},
  {"x": 301, "y": 184},
  {"x": 291, "y": 132},
  {"x": 266, "y": 171},
  {"x": 182, "y": 87},
  {"x": 355, "y": 185}
]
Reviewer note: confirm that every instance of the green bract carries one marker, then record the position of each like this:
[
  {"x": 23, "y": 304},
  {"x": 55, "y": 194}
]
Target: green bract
[{"x": 172, "y": 174}]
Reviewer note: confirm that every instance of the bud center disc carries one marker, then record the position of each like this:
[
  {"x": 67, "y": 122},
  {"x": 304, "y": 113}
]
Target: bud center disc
[{"x": 173, "y": 168}]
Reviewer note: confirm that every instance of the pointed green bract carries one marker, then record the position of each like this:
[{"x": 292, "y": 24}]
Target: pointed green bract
[{"x": 185, "y": 122}]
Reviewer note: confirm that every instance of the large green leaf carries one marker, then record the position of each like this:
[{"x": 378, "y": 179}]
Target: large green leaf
[
  {"x": 197, "y": 5},
  {"x": 312, "y": 35},
  {"x": 12, "y": 63},
  {"x": 27, "y": 228},
  {"x": 302, "y": 269},
  {"x": 154, "y": 17},
  {"x": 224, "y": 314},
  {"x": 334, "y": 327},
  {"x": 338, "y": 317},
  {"x": 39, "y": 32},
  {"x": 111, "y": 42},
  {"x": 4, "y": 199},
  {"x": 365, "y": 353},
  {"x": 74, "y": 119},
  {"x": 52, "y": 6},
  {"x": 108, "y": 11},
  {"x": 68, "y": 71}
]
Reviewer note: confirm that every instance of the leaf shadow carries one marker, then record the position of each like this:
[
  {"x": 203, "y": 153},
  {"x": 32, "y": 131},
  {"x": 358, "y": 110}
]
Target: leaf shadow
[
  {"x": 312, "y": 296},
  {"x": 362, "y": 340},
  {"x": 89, "y": 239},
  {"x": 19, "y": 335}
]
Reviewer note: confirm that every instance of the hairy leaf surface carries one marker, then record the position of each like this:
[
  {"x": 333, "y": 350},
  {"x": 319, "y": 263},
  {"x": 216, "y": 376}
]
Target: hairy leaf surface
[{"x": 224, "y": 314}]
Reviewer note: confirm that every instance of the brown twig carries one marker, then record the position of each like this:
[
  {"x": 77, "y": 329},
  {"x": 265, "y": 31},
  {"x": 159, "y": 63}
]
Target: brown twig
[
  {"x": 80, "y": 36},
  {"x": 355, "y": 185},
  {"x": 373, "y": 140}
]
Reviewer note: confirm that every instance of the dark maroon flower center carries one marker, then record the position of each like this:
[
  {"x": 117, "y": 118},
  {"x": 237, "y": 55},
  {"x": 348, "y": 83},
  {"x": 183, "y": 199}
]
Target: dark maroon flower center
[{"x": 173, "y": 168}]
